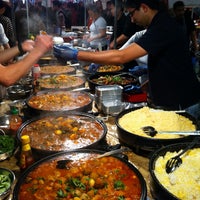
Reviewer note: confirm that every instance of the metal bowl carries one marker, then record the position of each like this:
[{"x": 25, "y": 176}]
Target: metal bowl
[
  {"x": 5, "y": 123},
  {"x": 60, "y": 82},
  {"x": 16, "y": 92},
  {"x": 132, "y": 80},
  {"x": 109, "y": 70},
  {"x": 63, "y": 132},
  {"x": 41, "y": 107},
  {"x": 53, "y": 69},
  {"x": 10, "y": 178},
  {"x": 8, "y": 145}
]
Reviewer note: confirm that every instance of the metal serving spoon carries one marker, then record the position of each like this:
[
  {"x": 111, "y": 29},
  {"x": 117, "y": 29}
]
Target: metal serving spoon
[
  {"x": 176, "y": 161},
  {"x": 63, "y": 164},
  {"x": 112, "y": 152},
  {"x": 151, "y": 131}
]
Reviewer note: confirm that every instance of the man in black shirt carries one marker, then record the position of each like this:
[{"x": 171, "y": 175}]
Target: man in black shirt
[
  {"x": 124, "y": 28},
  {"x": 173, "y": 84}
]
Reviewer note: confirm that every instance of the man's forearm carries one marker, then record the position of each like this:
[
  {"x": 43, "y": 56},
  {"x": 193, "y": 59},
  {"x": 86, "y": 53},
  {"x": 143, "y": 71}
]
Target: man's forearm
[{"x": 8, "y": 54}]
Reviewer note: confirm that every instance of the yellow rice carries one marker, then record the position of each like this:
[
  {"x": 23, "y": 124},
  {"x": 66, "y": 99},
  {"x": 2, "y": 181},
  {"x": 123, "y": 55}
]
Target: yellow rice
[{"x": 160, "y": 119}]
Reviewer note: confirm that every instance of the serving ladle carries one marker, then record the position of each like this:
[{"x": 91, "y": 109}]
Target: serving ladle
[
  {"x": 151, "y": 131},
  {"x": 63, "y": 164},
  {"x": 176, "y": 161}
]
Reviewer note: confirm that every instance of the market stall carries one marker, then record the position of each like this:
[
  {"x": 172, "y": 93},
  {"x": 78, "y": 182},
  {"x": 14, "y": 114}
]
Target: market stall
[{"x": 141, "y": 149}]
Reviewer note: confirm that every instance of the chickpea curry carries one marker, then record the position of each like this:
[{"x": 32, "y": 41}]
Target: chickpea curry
[
  {"x": 59, "y": 133},
  {"x": 87, "y": 178},
  {"x": 59, "y": 101}
]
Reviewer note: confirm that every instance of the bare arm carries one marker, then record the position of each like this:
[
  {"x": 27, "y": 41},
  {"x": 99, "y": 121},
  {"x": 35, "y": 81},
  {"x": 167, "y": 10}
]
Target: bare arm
[
  {"x": 113, "y": 56},
  {"x": 13, "y": 72},
  {"x": 8, "y": 54},
  {"x": 6, "y": 46},
  {"x": 14, "y": 51},
  {"x": 102, "y": 33},
  {"x": 120, "y": 40}
]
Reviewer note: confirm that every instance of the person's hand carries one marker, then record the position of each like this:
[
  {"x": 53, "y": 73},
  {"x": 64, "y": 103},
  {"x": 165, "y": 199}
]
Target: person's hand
[
  {"x": 65, "y": 52},
  {"x": 111, "y": 45},
  {"x": 93, "y": 67},
  {"x": 90, "y": 39},
  {"x": 43, "y": 43},
  {"x": 27, "y": 45}
]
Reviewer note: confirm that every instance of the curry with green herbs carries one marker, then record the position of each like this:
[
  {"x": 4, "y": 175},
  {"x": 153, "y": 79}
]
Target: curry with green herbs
[{"x": 89, "y": 178}]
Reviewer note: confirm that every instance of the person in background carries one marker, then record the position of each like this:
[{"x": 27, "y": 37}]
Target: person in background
[
  {"x": 7, "y": 24},
  {"x": 184, "y": 18},
  {"x": 3, "y": 45},
  {"x": 99, "y": 5},
  {"x": 24, "y": 29},
  {"x": 97, "y": 37},
  {"x": 13, "y": 72},
  {"x": 169, "y": 63},
  {"x": 107, "y": 15},
  {"x": 61, "y": 19},
  {"x": 124, "y": 28},
  {"x": 3, "y": 39}
]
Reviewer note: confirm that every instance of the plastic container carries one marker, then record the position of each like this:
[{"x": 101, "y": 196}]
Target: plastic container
[{"x": 36, "y": 71}]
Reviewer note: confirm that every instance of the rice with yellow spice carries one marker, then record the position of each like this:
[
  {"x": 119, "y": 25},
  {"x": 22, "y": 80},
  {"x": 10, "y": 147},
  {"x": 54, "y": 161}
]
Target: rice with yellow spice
[{"x": 161, "y": 120}]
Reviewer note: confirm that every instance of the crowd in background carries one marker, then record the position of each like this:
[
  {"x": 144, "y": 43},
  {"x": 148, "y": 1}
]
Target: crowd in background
[{"x": 45, "y": 18}]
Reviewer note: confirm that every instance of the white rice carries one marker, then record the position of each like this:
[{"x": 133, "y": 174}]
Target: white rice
[{"x": 184, "y": 182}]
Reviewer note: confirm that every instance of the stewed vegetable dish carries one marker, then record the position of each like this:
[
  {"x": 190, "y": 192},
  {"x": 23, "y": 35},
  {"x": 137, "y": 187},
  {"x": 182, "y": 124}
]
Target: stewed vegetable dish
[
  {"x": 109, "y": 68},
  {"x": 61, "y": 81},
  {"x": 59, "y": 101},
  {"x": 56, "y": 69},
  {"x": 58, "y": 133},
  {"x": 106, "y": 68},
  {"x": 7, "y": 144},
  {"x": 81, "y": 178},
  {"x": 113, "y": 80}
]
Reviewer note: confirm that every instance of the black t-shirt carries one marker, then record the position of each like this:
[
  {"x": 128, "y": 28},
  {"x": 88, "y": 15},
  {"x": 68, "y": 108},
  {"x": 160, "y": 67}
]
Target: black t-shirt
[
  {"x": 172, "y": 81},
  {"x": 126, "y": 27}
]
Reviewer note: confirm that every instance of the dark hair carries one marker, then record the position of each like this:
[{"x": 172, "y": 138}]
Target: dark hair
[
  {"x": 57, "y": 3},
  {"x": 153, "y": 4},
  {"x": 178, "y": 4},
  {"x": 118, "y": 4},
  {"x": 3, "y": 4}
]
